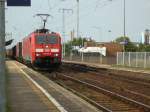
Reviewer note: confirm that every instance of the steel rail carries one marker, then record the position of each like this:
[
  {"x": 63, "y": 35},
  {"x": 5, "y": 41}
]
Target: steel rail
[
  {"x": 87, "y": 99},
  {"x": 144, "y": 106},
  {"x": 124, "y": 78},
  {"x": 130, "y": 80},
  {"x": 126, "y": 90}
]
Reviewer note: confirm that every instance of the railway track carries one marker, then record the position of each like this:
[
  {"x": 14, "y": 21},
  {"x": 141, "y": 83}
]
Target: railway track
[
  {"x": 134, "y": 91},
  {"x": 126, "y": 75},
  {"x": 102, "y": 90},
  {"x": 103, "y": 99},
  {"x": 129, "y": 87}
]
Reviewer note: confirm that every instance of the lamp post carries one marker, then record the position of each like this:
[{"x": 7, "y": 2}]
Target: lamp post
[
  {"x": 78, "y": 18},
  {"x": 124, "y": 22},
  {"x": 124, "y": 17}
]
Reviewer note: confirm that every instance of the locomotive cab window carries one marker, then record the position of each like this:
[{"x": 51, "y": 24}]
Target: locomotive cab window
[
  {"x": 40, "y": 39},
  {"x": 52, "y": 39},
  {"x": 43, "y": 39}
]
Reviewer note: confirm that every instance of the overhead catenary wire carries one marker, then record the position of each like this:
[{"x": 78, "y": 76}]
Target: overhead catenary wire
[
  {"x": 63, "y": 11},
  {"x": 49, "y": 5},
  {"x": 87, "y": 13},
  {"x": 83, "y": 12},
  {"x": 75, "y": 6}
]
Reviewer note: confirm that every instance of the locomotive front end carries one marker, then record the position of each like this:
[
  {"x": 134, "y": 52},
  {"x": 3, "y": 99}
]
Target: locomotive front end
[{"x": 47, "y": 49}]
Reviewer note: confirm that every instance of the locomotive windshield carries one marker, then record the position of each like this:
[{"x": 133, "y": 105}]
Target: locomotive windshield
[
  {"x": 46, "y": 39},
  {"x": 51, "y": 39},
  {"x": 40, "y": 39}
]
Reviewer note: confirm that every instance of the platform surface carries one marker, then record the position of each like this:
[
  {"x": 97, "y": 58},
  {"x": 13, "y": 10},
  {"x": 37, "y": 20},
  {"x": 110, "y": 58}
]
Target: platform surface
[{"x": 23, "y": 96}]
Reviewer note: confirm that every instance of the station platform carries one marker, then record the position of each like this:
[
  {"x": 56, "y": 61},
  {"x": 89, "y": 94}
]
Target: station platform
[
  {"x": 24, "y": 96},
  {"x": 30, "y": 91}
]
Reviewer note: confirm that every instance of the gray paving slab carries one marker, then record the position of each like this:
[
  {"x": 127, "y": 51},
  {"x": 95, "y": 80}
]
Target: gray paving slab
[{"x": 23, "y": 96}]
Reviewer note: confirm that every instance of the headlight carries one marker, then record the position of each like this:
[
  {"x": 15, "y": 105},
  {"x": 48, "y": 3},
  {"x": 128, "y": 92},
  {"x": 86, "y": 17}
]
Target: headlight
[
  {"x": 54, "y": 50},
  {"x": 37, "y": 54},
  {"x": 55, "y": 54},
  {"x": 39, "y": 50}
]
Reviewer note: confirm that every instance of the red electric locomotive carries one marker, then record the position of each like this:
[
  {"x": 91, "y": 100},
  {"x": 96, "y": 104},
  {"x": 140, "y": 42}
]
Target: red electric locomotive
[{"x": 42, "y": 48}]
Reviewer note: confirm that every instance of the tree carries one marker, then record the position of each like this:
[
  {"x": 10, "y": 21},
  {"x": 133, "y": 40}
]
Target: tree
[
  {"x": 129, "y": 46},
  {"x": 122, "y": 39},
  {"x": 141, "y": 48},
  {"x": 75, "y": 42},
  {"x": 147, "y": 49},
  {"x": 78, "y": 41},
  {"x": 144, "y": 48}
]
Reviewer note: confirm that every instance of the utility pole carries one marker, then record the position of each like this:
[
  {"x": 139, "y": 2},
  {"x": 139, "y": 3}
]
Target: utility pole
[
  {"x": 78, "y": 7},
  {"x": 72, "y": 38},
  {"x": 2, "y": 56},
  {"x": 124, "y": 17},
  {"x": 63, "y": 11}
]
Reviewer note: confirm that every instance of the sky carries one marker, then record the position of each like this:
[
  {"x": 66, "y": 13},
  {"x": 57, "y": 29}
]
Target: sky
[{"x": 100, "y": 19}]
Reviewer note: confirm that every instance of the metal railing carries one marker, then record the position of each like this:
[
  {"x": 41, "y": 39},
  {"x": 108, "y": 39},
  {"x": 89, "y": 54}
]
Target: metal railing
[
  {"x": 96, "y": 58},
  {"x": 134, "y": 59}
]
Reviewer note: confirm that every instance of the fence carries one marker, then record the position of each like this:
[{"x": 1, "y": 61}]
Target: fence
[
  {"x": 90, "y": 58},
  {"x": 134, "y": 59}
]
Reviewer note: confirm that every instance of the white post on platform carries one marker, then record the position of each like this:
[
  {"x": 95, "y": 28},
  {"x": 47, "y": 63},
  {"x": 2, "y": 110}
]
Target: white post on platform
[
  {"x": 117, "y": 58},
  {"x": 129, "y": 57},
  {"x": 82, "y": 47},
  {"x": 136, "y": 59},
  {"x": 82, "y": 57},
  {"x": 101, "y": 58},
  {"x": 123, "y": 58},
  {"x": 2, "y": 57},
  {"x": 145, "y": 60}
]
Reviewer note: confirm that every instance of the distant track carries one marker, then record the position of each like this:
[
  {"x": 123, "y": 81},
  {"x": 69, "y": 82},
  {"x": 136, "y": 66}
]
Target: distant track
[
  {"x": 100, "y": 97},
  {"x": 127, "y": 86}
]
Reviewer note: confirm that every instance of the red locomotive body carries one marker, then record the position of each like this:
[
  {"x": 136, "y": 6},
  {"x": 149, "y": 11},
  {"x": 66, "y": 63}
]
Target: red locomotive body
[{"x": 42, "y": 48}]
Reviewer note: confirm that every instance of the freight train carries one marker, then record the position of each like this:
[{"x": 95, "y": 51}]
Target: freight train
[{"x": 41, "y": 48}]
